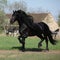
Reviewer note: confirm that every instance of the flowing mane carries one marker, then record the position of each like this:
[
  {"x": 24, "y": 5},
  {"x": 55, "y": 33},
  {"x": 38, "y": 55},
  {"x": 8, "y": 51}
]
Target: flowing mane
[{"x": 25, "y": 15}]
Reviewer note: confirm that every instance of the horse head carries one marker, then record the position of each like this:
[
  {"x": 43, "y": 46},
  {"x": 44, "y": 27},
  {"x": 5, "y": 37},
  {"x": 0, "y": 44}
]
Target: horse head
[
  {"x": 17, "y": 15},
  {"x": 21, "y": 17}
]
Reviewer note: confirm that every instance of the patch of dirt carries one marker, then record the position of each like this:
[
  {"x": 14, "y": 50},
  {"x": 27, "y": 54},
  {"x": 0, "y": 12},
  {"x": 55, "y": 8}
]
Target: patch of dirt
[{"x": 17, "y": 51}]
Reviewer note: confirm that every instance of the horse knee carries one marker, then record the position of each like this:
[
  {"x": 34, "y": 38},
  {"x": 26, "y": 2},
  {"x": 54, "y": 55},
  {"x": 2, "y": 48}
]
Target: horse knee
[
  {"x": 20, "y": 39},
  {"x": 39, "y": 45}
]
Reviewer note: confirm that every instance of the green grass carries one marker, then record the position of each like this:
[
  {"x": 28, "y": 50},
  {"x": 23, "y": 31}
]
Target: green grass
[{"x": 8, "y": 43}]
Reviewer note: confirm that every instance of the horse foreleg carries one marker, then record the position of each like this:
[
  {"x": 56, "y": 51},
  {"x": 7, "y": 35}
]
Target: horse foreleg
[
  {"x": 46, "y": 40},
  {"x": 22, "y": 41},
  {"x": 23, "y": 44}
]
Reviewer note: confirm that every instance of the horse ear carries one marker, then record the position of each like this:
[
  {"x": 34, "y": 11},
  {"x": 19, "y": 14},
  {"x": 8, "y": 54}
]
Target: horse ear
[{"x": 13, "y": 11}]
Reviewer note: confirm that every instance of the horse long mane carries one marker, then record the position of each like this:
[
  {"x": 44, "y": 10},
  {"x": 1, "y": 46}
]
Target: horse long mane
[
  {"x": 30, "y": 17},
  {"x": 25, "y": 18},
  {"x": 26, "y": 15}
]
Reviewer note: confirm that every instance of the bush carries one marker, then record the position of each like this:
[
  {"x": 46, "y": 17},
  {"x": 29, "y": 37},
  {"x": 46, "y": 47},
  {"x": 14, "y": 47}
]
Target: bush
[
  {"x": 2, "y": 20},
  {"x": 59, "y": 19}
]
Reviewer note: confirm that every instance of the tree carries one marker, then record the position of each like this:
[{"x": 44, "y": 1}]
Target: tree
[
  {"x": 17, "y": 5},
  {"x": 2, "y": 20},
  {"x": 3, "y": 4},
  {"x": 37, "y": 10}
]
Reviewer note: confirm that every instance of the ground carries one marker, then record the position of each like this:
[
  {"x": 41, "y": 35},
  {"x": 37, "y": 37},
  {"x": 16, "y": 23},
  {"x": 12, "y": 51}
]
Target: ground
[
  {"x": 29, "y": 52},
  {"x": 29, "y": 55}
]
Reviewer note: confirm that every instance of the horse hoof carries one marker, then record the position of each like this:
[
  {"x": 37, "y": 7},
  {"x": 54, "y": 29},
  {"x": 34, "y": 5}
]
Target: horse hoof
[
  {"x": 39, "y": 45},
  {"x": 23, "y": 50},
  {"x": 47, "y": 49}
]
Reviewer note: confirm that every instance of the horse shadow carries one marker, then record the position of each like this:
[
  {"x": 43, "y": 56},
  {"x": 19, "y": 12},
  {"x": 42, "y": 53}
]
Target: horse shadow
[{"x": 29, "y": 49}]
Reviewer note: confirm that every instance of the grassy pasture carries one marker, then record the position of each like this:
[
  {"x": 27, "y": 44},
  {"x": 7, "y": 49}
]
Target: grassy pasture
[
  {"x": 9, "y": 50},
  {"x": 9, "y": 43}
]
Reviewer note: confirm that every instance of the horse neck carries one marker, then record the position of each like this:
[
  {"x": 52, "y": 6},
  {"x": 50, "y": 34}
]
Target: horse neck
[
  {"x": 26, "y": 19},
  {"x": 19, "y": 22}
]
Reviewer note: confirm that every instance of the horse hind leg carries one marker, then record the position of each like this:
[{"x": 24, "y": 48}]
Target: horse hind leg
[
  {"x": 46, "y": 40},
  {"x": 42, "y": 39},
  {"x": 40, "y": 43}
]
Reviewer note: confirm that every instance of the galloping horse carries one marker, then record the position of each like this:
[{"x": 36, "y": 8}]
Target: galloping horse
[{"x": 28, "y": 28}]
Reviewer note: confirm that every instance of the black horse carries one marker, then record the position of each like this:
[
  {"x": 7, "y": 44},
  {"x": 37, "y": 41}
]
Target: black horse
[{"x": 41, "y": 29}]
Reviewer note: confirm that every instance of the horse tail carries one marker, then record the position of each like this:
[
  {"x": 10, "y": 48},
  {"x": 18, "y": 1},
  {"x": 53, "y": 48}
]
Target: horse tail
[
  {"x": 55, "y": 32},
  {"x": 52, "y": 41}
]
